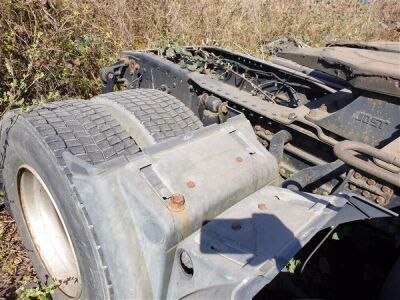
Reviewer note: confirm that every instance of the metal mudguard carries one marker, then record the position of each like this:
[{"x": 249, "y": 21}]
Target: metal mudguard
[
  {"x": 128, "y": 200},
  {"x": 223, "y": 174},
  {"x": 245, "y": 247}
]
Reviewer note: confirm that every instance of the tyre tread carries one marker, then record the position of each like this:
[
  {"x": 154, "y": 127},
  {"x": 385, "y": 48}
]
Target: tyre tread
[
  {"x": 83, "y": 128},
  {"x": 163, "y": 115}
]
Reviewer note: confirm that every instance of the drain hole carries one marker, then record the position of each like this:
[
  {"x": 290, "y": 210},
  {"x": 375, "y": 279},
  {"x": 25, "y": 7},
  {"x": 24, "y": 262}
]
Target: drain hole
[{"x": 186, "y": 263}]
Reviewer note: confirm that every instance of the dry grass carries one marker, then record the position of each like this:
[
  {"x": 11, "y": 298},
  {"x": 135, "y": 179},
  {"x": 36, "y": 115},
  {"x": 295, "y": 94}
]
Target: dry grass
[
  {"x": 15, "y": 267},
  {"x": 54, "y": 49},
  {"x": 247, "y": 24}
]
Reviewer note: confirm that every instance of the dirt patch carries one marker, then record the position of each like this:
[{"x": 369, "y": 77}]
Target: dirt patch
[{"x": 15, "y": 266}]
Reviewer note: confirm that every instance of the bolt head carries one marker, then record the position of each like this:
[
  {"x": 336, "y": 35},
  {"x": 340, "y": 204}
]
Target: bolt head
[
  {"x": 371, "y": 181},
  {"x": 386, "y": 189},
  {"x": 176, "y": 203},
  {"x": 380, "y": 200},
  {"x": 323, "y": 107},
  {"x": 282, "y": 171},
  {"x": 313, "y": 113},
  {"x": 352, "y": 187},
  {"x": 366, "y": 194},
  {"x": 357, "y": 175}
]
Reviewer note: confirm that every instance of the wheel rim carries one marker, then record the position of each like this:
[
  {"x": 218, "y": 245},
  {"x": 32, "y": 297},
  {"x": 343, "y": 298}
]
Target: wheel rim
[{"x": 48, "y": 232}]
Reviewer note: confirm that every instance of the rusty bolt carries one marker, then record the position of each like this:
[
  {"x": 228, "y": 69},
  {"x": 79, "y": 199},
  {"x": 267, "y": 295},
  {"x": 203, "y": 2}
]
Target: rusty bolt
[
  {"x": 366, "y": 194},
  {"x": 224, "y": 108},
  {"x": 239, "y": 159},
  {"x": 357, "y": 175},
  {"x": 352, "y": 187},
  {"x": 313, "y": 113},
  {"x": 236, "y": 226},
  {"x": 190, "y": 184},
  {"x": 176, "y": 203},
  {"x": 371, "y": 181},
  {"x": 380, "y": 200},
  {"x": 386, "y": 189},
  {"x": 323, "y": 107},
  {"x": 262, "y": 206}
]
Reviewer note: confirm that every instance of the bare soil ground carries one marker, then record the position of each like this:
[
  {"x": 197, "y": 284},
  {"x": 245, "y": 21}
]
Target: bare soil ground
[{"x": 15, "y": 267}]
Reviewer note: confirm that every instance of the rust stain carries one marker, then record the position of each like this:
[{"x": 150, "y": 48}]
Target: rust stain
[
  {"x": 236, "y": 226},
  {"x": 133, "y": 65},
  {"x": 182, "y": 215},
  {"x": 190, "y": 184},
  {"x": 262, "y": 206}
]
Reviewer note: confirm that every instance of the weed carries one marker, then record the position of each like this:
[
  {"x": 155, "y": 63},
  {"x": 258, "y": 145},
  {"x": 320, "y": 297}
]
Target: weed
[{"x": 40, "y": 292}]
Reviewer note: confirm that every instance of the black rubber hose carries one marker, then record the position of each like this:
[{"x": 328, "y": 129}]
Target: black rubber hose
[
  {"x": 301, "y": 179},
  {"x": 277, "y": 144}
]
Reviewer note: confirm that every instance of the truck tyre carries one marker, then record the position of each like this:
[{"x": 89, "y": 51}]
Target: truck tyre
[
  {"x": 149, "y": 116},
  {"x": 54, "y": 227},
  {"x": 53, "y": 222}
]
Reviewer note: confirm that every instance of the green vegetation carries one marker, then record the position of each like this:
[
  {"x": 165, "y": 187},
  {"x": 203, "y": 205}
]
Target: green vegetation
[
  {"x": 41, "y": 292},
  {"x": 53, "y": 49},
  {"x": 49, "y": 51}
]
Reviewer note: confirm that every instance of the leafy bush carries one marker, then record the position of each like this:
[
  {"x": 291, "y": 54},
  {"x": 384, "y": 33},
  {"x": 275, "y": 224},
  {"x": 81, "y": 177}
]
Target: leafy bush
[{"x": 50, "y": 50}]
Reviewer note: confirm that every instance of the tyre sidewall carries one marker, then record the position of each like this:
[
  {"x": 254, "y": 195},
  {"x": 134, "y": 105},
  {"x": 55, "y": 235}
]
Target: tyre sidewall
[{"x": 26, "y": 147}]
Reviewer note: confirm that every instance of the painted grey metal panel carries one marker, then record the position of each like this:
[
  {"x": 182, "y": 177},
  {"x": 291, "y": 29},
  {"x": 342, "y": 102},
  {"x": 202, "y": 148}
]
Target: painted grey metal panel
[{"x": 245, "y": 247}]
